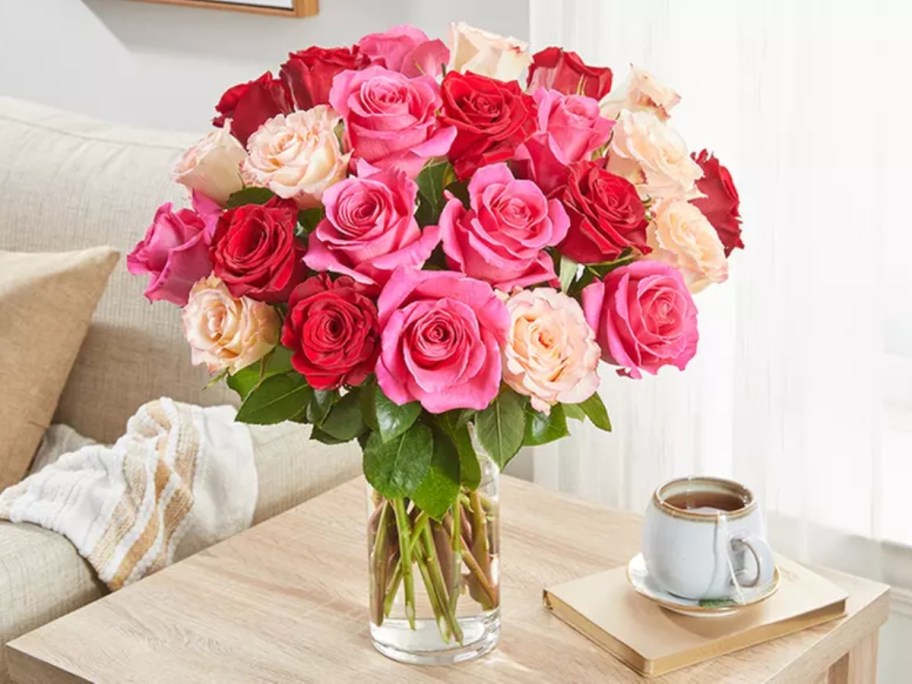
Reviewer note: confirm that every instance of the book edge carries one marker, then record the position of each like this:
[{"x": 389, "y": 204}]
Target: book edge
[
  {"x": 760, "y": 635},
  {"x": 723, "y": 646},
  {"x": 608, "y": 642}
]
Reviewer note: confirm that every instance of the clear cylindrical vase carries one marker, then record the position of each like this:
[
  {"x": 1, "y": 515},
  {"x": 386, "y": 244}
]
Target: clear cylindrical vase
[{"x": 435, "y": 582}]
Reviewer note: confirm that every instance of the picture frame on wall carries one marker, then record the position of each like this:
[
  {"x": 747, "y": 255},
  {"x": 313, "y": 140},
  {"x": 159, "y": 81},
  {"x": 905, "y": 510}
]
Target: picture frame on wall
[{"x": 286, "y": 8}]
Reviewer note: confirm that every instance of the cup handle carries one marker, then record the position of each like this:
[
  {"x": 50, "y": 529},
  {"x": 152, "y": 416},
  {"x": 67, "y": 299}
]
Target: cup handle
[{"x": 763, "y": 556}]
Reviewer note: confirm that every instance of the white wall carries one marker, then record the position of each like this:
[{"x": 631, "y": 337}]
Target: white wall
[{"x": 163, "y": 66}]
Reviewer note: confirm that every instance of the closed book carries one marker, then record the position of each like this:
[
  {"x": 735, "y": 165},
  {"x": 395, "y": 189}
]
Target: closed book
[{"x": 654, "y": 641}]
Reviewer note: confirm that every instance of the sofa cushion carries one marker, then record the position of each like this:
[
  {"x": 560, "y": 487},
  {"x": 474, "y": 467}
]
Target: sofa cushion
[
  {"x": 46, "y": 303},
  {"x": 68, "y": 183}
]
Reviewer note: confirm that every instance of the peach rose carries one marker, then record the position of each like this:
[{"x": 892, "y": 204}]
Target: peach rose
[
  {"x": 652, "y": 156},
  {"x": 297, "y": 155},
  {"x": 225, "y": 332},
  {"x": 486, "y": 54},
  {"x": 682, "y": 237},
  {"x": 551, "y": 353},
  {"x": 212, "y": 166},
  {"x": 641, "y": 92}
]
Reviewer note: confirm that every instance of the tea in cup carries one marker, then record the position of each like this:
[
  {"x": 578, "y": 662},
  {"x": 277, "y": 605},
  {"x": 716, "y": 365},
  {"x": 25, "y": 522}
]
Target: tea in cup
[{"x": 704, "y": 539}]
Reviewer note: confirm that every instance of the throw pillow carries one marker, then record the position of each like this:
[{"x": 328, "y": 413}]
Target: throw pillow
[{"x": 46, "y": 303}]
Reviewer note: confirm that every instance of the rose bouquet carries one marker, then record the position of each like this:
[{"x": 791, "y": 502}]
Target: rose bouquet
[{"x": 428, "y": 248}]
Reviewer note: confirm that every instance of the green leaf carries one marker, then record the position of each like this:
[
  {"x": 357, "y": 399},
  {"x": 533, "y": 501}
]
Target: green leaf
[
  {"x": 499, "y": 429},
  {"x": 319, "y": 406},
  {"x": 601, "y": 269},
  {"x": 542, "y": 428},
  {"x": 276, "y": 399},
  {"x": 318, "y": 435},
  {"x": 309, "y": 218},
  {"x": 249, "y": 196},
  {"x": 392, "y": 419},
  {"x": 439, "y": 489},
  {"x": 453, "y": 425},
  {"x": 396, "y": 468},
  {"x": 344, "y": 421},
  {"x": 460, "y": 190},
  {"x": 568, "y": 269},
  {"x": 368, "y": 412},
  {"x": 574, "y": 411},
  {"x": 274, "y": 363},
  {"x": 431, "y": 182},
  {"x": 595, "y": 410}
]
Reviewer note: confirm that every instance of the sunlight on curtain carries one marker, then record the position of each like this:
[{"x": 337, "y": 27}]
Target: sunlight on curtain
[{"x": 802, "y": 386}]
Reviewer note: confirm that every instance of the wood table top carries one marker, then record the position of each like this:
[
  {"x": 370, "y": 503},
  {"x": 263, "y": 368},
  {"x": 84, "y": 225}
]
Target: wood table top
[{"x": 286, "y": 601}]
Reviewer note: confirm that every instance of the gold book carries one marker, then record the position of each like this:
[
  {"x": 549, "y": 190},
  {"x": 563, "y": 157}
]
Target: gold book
[{"x": 654, "y": 641}]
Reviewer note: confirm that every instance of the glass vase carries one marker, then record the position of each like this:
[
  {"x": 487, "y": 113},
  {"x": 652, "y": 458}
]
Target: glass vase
[{"x": 435, "y": 584}]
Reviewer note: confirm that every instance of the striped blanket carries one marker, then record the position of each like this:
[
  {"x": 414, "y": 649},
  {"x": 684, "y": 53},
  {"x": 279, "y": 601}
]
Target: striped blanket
[{"x": 180, "y": 479}]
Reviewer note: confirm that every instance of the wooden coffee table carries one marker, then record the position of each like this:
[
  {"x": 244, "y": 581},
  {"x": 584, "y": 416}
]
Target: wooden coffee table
[{"x": 286, "y": 601}]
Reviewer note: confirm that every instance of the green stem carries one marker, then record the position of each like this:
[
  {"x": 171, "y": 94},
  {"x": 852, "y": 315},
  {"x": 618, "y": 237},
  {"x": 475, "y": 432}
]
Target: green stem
[
  {"x": 455, "y": 574},
  {"x": 436, "y": 573},
  {"x": 405, "y": 550},
  {"x": 480, "y": 533},
  {"x": 479, "y": 576},
  {"x": 420, "y": 525},
  {"x": 379, "y": 558},
  {"x": 393, "y": 589},
  {"x": 433, "y": 598}
]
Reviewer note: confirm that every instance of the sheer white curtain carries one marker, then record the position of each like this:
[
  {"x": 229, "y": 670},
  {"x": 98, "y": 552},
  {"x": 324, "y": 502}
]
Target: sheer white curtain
[{"x": 802, "y": 386}]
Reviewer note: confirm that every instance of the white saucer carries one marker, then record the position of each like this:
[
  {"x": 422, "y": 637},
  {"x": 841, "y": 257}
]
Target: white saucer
[{"x": 643, "y": 584}]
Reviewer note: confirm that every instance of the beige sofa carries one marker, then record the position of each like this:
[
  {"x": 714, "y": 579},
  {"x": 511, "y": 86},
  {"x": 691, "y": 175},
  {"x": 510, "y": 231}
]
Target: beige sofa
[{"x": 67, "y": 182}]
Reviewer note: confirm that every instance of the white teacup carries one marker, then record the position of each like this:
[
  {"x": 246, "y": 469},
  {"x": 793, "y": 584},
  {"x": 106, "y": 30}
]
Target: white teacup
[{"x": 704, "y": 538}]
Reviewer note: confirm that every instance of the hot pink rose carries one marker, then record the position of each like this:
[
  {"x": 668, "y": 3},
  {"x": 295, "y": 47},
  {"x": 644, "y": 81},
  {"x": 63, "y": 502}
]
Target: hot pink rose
[
  {"x": 175, "y": 250},
  {"x": 502, "y": 237},
  {"x": 405, "y": 49},
  {"x": 570, "y": 129},
  {"x": 370, "y": 229},
  {"x": 643, "y": 317},
  {"x": 390, "y": 119},
  {"x": 441, "y": 340}
]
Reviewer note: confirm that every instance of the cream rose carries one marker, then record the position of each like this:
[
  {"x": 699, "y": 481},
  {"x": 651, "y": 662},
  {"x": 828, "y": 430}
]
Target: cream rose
[
  {"x": 212, "y": 166},
  {"x": 652, "y": 156},
  {"x": 643, "y": 92},
  {"x": 296, "y": 156},
  {"x": 551, "y": 354},
  {"x": 224, "y": 332},
  {"x": 486, "y": 54},
  {"x": 682, "y": 237}
]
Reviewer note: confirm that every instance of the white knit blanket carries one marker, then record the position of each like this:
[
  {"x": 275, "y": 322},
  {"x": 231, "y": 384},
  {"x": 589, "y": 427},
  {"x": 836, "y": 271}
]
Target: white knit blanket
[{"x": 181, "y": 478}]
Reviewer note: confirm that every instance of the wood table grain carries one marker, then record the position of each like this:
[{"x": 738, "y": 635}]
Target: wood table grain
[{"x": 286, "y": 601}]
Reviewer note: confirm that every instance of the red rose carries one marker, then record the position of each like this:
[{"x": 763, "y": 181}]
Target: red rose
[
  {"x": 564, "y": 71},
  {"x": 255, "y": 252},
  {"x": 720, "y": 206},
  {"x": 491, "y": 117},
  {"x": 249, "y": 105},
  {"x": 309, "y": 73},
  {"x": 606, "y": 215},
  {"x": 333, "y": 332}
]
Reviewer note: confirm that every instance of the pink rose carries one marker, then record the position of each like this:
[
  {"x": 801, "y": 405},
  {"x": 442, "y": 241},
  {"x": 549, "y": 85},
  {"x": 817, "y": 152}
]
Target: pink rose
[
  {"x": 175, "y": 250},
  {"x": 370, "y": 229},
  {"x": 390, "y": 118},
  {"x": 643, "y": 317},
  {"x": 570, "y": 129},
  {"x": 502, "y": 236},
  {"x": 405, "y": 49},
  {"x": 441, "y": 340}
]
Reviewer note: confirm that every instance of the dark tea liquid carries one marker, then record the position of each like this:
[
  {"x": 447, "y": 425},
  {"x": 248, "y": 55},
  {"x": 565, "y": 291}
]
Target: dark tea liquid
[{"x": 706, "y": 501}]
